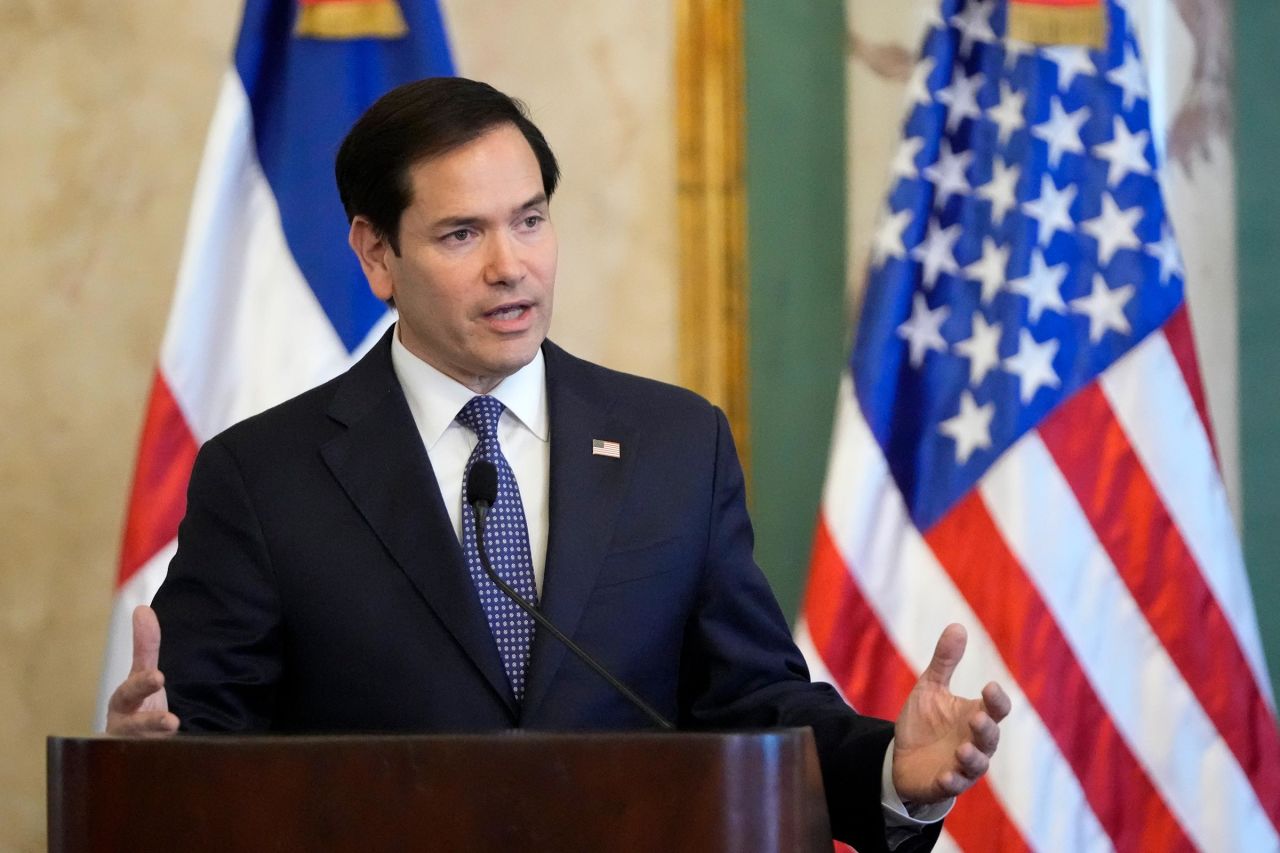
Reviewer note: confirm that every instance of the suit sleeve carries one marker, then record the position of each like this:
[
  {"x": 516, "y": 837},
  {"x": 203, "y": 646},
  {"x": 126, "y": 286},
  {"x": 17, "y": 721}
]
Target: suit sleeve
[
  {"x": 218, "y": 607},
  {"x": 742, "y": 669}
]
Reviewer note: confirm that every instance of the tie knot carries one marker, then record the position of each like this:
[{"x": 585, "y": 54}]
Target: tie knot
[{"x": 480, "y": 415}]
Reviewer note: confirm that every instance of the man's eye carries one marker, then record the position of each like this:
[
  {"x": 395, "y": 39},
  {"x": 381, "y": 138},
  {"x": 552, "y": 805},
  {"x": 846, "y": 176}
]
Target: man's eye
[
  {"x": 459, "y": 236},
  {"x": 532, "y": 221}
]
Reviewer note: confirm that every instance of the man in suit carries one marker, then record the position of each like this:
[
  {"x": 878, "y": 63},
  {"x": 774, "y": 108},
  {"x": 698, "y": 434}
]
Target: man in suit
[{"x": 327, "y": 577}]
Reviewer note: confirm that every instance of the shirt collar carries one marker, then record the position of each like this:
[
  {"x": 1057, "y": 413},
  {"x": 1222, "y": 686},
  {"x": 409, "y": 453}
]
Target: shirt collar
[{"x": 435, "y": 398}]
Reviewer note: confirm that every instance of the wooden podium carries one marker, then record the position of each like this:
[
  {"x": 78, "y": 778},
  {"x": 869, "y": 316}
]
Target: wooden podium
[{"x": 517, "y": 791}]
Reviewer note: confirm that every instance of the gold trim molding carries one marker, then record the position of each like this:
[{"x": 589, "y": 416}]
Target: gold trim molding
[
  {"x": 711, "y": 199},
  {"x": 351, "y": 20},
  {"x": 1059, "y": 24}
]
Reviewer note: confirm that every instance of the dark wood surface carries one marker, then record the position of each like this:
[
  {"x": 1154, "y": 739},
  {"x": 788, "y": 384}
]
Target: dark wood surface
[{"x": 518, "y": 791}]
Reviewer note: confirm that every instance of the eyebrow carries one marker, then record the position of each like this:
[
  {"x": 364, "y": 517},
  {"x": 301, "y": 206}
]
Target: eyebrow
[{"x": 464, "y": 221}]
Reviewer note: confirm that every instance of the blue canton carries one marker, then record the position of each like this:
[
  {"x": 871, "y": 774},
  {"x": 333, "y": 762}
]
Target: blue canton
[
  {"x": 506, "y": 543},
  {"x": 1023, "y": 250}
]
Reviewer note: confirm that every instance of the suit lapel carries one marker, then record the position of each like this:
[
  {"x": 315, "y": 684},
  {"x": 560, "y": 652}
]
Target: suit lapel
[
  {"x": 381, "y": 464},
  {"x": 586, "y": 493}
]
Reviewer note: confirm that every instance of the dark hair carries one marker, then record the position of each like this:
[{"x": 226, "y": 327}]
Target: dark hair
[{"x": 415, "y": 122}]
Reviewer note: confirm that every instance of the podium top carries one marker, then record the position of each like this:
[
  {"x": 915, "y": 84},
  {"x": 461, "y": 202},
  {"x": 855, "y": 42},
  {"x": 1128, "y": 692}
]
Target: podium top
[{"x": 529, "y": 790}]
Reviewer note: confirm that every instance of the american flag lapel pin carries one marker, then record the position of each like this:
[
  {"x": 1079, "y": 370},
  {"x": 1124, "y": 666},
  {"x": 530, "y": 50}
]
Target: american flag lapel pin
[{"x": 600, "y": 447}]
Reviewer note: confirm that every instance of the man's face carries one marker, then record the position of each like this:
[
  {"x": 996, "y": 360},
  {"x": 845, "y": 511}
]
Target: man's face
[{"x": 477, "y": 266}]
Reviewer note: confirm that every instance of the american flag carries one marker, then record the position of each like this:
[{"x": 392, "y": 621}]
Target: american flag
[
  {"x": 269, "y": 299},
  {"x": 1022, "y": 445},
  {"x": 600, "y": 447}
]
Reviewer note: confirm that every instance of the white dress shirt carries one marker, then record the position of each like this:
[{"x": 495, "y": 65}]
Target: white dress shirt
[{"x": 524, "y": 431}]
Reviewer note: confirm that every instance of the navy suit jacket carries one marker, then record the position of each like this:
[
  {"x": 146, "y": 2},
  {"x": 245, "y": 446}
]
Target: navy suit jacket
[{"x": 319, "y": 586}]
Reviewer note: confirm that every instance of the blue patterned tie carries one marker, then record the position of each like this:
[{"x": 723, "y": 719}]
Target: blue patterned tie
[{"x": 506, "y": 542}]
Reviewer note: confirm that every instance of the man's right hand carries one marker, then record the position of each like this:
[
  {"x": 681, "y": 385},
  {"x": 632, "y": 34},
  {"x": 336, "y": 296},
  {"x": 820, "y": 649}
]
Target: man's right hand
[{"x": 139, "y": 707}]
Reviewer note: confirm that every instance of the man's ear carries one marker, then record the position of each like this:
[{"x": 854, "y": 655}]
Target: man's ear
[{"x": 375, "y": 254}]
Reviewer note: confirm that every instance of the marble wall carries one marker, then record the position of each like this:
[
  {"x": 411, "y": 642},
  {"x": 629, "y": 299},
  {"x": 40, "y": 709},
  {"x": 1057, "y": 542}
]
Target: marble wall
[
  {"x": 105, "y": 104},
  {"x": 104, "y": 109},
  {"x": 599, "y": 80}
]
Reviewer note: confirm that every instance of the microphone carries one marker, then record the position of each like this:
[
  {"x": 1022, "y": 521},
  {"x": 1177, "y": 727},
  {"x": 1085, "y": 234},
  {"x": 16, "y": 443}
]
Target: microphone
[{"x": 482, "y": 491}]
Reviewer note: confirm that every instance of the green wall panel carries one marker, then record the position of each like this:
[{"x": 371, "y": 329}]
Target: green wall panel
[
  {"x": 1258, "y": 209},
  {"x": 795, "y": 95}
]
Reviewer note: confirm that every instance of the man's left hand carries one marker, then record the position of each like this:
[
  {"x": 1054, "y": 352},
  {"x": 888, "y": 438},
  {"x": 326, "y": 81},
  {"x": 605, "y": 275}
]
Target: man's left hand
[{"x": 943, "y": 743}]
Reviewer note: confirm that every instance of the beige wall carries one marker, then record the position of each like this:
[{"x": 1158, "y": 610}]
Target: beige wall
[
  {"x": 104, "y": 110},
  {"x": 105, "y": 104},
  {"x": 599, "y": 81}
]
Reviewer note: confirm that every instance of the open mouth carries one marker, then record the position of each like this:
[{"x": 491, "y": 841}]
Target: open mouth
[{"x": 509, "y": 312}]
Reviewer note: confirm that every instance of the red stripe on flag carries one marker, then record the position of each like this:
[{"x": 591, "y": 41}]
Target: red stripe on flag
[
  {"x": 980, "y": 825},
  {"x": 1177, "y": 331},
  {"x": 1127, "y": 805},
  {"x": 1151, "y": 556},
  {"x": 847, "y": 633},
  {"x": 158, "y": 499},
  {"x": 867, "y": 666}
]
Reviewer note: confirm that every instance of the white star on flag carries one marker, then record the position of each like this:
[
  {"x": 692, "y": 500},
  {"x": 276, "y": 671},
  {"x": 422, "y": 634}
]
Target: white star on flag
[
  {"x": 923, "y": 332},
  {"x": 1052, "y": 210},
  {"x": 1113, "y": 228},
  {"x": 1042, "y": 287},
  {"x": 948, "y": 173},
  {"x": 1001, "y": 190},
  {"x": 961, "y": 99},
  {"x": 1033, "y": 365},
  {"x": 1130, "y": 78},
  {"x": 971, "y": 428},
  {"x": 937, "y": 252},
  {"x": 1008, "y": 113},
  {"x": 904, "y": 159},
  {"x": 990, "y": 268},
  {"x": 1105, "y": 308},
  {"x": 888, "y": 238},
  {"x": 1072, "y": 60},
  {"x": 1166, "y": 252},
  {"x": 1125, "y": 153},
  {"x": 974, "y": 24},
  {"x": 918, "y": 86},
  {"x": 981, "y": 348},
  {"x": 1061, "y": 132}
]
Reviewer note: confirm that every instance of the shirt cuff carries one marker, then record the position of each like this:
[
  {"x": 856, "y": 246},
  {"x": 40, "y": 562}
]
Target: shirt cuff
[{"x": 899, "y": 816}]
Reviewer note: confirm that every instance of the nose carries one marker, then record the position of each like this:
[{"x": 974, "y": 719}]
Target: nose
[{"x": 503, "y": 265}]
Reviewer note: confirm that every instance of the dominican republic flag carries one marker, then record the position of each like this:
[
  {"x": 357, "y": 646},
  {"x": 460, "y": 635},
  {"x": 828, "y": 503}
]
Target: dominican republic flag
[
  {"x": 1021, "y": 445},
  {"x": 270, "y": 300}
]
